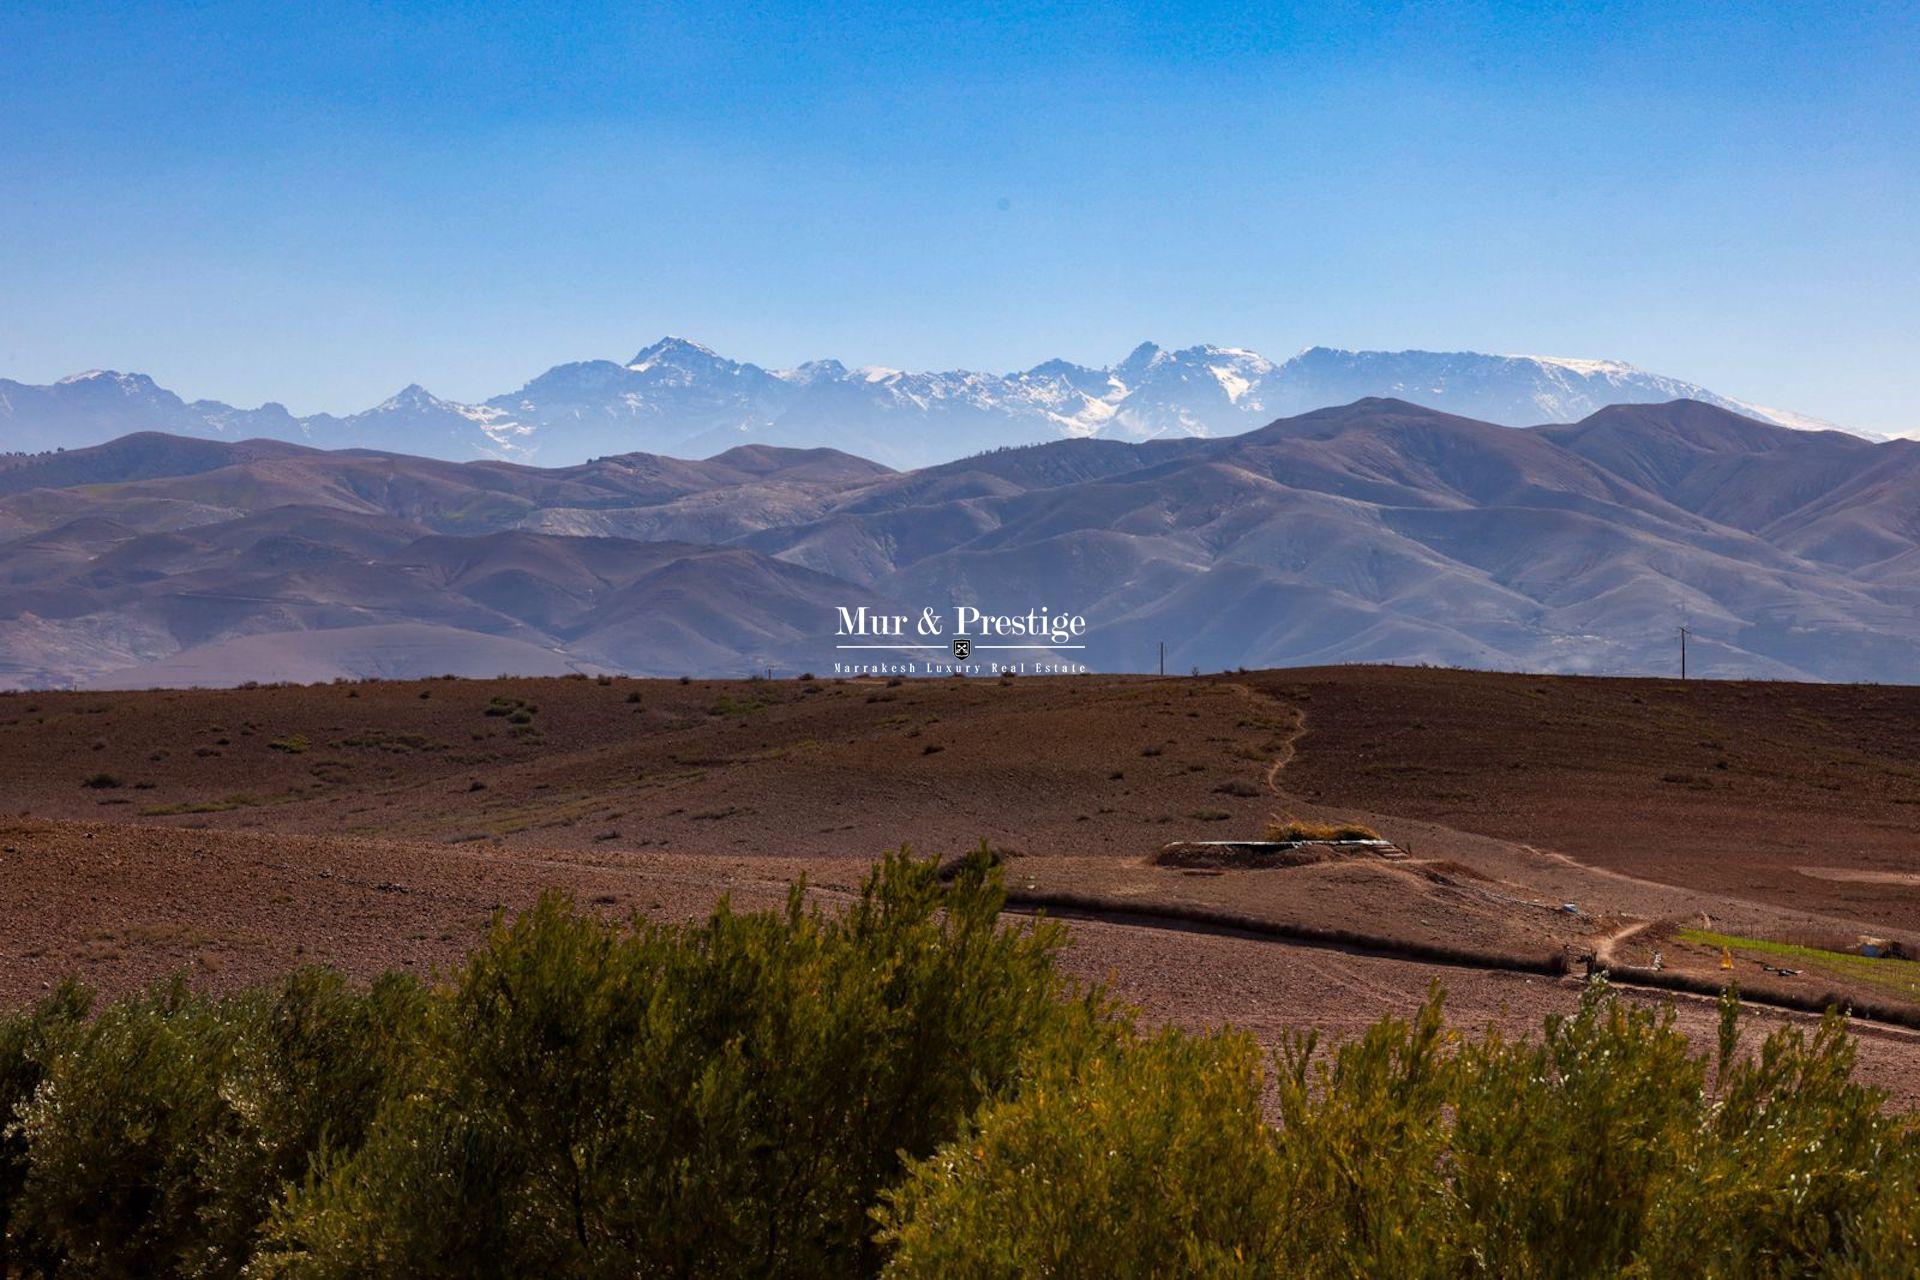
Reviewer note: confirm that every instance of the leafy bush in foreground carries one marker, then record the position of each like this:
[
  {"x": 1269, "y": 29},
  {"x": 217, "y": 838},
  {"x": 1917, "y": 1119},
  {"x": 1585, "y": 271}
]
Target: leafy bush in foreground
[
  {"x": 158, "y": 1135},
  {"x": 1152, "y": 1160},
  {"x": 721, "y": 1100},
  {"x": 906, "y": 1086},
  {"x": 1597, "y": 1150},
  {"x": 25, "y": 1046}
]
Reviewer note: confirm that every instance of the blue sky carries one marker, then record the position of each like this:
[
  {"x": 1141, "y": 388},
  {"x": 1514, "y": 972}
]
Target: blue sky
[{"x": 322, "y": 203}]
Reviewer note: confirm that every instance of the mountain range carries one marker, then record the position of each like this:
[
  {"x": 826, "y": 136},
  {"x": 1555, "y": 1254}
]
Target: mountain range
[
  {"x": 1380, "y": 530},
  {"x": 680, "y": 398}
]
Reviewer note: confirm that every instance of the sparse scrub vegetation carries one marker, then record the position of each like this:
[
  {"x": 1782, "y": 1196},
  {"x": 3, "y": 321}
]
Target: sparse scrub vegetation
[
  {"x": 393, "y": 741},
  {"x": 1290, "y": 828},
  {"x": 757, "y": 699},
  {"x": 224, "y": 805},
  {"x": 518, "y": 711},
  {"x": 908, "y": 1087}
]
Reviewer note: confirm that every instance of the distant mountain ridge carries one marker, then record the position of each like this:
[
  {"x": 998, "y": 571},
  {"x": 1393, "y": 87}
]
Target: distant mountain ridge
[
  {"x": 1380, "y": 530},
  {"x": 678, "y": 397}
]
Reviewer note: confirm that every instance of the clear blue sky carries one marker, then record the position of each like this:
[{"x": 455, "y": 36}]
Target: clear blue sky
[{"x": 321, "y": 203}]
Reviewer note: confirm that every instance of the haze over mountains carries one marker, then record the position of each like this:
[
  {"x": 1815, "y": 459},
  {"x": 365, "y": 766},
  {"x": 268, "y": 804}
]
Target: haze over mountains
[
  {"x": 677, "y": 397},
  {"x": 1376, "y": 531}
]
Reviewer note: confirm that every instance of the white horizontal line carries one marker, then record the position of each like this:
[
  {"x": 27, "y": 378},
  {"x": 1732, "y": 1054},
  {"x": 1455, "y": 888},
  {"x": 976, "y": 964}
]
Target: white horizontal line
[{"x": 978, "y": 646}]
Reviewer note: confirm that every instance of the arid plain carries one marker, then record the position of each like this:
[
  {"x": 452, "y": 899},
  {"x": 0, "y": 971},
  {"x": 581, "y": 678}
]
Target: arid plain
[{"x": 1663, "y": 830}]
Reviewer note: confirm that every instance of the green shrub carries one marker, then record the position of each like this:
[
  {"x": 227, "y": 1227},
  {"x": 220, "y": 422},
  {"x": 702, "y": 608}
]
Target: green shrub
[
  {"x": 26, "y": 1040},
  {"x": 1599, "y": 1149},
  {"x": 908, "y": 1085},
  {"x": 724, "y": 1099},
  {"x": 1148, "y": 1161},
  {"x": 160, "y": 1133},
  {"x": 1796, "y": 1165},
  {"x": 1361, "y": 1143}
]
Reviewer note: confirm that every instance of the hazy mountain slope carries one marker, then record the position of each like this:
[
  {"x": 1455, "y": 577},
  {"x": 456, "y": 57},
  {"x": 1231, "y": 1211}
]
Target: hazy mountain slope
[
  {"x": 1828, "y": 497},
  {"x": 87, "y": 408},
  {"x": 145, "y": 455},
  {"x": 1378, "y": 530},
  {"x": 308, "y": 593},
  {"x": 680, "y": 398},
  {"x": 231, "y": 480},
  {"x": 1514, "y": 390},
  {"x": 390, "y": 651},
  {"x": 416, "y": 421},
  {"x": 1431, "y": 535}
]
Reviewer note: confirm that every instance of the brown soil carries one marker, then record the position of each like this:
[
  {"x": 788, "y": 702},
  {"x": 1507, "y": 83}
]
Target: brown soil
[
  {"x": 380, "y": 825},
  {"x": 1726, "y": 787}
]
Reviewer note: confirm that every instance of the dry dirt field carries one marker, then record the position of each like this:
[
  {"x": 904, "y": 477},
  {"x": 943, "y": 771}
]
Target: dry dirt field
[{"x": 1543, "y": 819}]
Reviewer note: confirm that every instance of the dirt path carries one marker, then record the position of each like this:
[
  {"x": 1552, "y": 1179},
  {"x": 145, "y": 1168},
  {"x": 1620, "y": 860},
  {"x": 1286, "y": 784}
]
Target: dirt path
[
  {"x": 1603, "y": 950},
  {"x": 1289, "y": 745},
  {"x": 1274, "y": 992},
  {"x": 1374, "y": 948}
]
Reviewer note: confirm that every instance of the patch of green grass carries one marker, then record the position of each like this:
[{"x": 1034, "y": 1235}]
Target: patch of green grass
[
  {"x": 727, "y": 705},
  {"x": 392, "y": 740},
  {"x": 1901, "y": 977},
  {"x": 202, "y": 806}
]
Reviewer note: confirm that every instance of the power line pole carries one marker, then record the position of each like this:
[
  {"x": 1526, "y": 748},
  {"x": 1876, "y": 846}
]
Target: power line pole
[
  {"x": 1163, "y": 657},
  {"x": 1683, "y": 653}
]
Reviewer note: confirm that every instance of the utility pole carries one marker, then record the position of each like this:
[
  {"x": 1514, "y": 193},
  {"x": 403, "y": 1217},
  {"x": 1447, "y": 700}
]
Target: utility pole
[
  {"x": 1683, "y": 653},
  {"x": 1163, "y": 657}
]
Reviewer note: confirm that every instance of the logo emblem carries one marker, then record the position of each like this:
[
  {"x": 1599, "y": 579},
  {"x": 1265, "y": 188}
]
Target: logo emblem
[{"x": 962, "y": 647}]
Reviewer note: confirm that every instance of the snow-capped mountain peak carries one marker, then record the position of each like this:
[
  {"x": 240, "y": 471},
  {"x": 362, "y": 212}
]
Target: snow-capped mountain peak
[
  {"x": 411, "y": 396},
  {"x": 1585, "y": 368},
  {"x": 1140, "y": 359},
  {"x": 676, "y": 352},
  {"x": 678, "y": 396},
  {"x": 113, "y": 381},
  {"x": 812, "y": 371}
]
